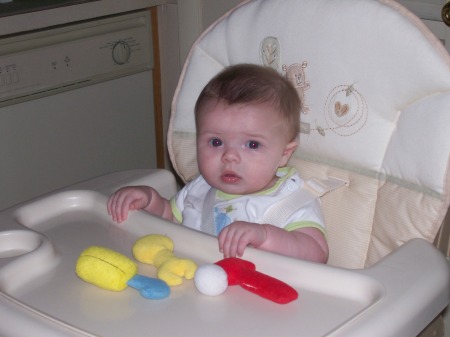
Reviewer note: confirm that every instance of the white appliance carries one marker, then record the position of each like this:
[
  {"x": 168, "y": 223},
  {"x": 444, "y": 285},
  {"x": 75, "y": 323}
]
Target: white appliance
[{"x": 76, "y": 102}]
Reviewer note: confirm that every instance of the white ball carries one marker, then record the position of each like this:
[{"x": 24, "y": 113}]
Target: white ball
[{"x": 211, "y": 279}]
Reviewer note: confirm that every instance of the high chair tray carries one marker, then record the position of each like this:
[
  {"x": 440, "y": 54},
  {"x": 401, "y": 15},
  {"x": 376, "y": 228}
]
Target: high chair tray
[{"x": 40, "y": 294}]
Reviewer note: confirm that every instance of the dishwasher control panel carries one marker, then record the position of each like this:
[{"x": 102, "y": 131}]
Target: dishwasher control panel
[{"x": 46, "y": 62}]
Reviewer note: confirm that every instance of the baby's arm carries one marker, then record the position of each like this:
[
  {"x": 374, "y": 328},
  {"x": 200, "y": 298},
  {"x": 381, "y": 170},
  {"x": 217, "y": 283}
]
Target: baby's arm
[
  {"x": 307, "y": 243},
  {"x": 138, "y": 197},
  {"x": 304, "y": 243}
]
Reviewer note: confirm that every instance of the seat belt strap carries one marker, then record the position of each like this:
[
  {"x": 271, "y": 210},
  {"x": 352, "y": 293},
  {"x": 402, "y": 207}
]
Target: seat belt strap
[
  {"x": 313, "y": 188},
  {"x": 208, "y": 223},
  {"x": 320, "y": 187}
]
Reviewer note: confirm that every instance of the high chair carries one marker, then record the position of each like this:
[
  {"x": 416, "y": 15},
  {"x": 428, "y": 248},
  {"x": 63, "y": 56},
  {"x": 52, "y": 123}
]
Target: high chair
[
  {"x": 374, "y": 142},
  {"x": 375, "y": 84}
]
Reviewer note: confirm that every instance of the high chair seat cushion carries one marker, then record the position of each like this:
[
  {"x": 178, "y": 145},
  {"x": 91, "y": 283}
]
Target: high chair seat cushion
[{"x": 376, "y": 88}]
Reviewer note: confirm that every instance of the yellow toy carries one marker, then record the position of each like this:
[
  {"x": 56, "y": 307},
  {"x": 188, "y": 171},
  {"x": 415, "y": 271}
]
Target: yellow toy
[
  {"x": 105, "y": 268},
  {"x": 111, "y": 270},
  {"x": 157, "y": 250}
]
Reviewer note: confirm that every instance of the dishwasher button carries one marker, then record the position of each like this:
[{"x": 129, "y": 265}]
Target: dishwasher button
[{"x": 121, "y": 52}]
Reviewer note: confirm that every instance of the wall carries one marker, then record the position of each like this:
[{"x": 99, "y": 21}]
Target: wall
[
  {"x": 195, "y": 16},
  {"x": 430, "y": 13},
  {"x": 425, "y": 9}
]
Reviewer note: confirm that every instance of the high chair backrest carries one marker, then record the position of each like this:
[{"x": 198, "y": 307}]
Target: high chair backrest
[{"x": 376, "y": 89}]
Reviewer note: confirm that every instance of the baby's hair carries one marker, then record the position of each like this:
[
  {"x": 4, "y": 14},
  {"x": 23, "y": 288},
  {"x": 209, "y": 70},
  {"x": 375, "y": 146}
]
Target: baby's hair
[{"x": 251, "y": 83}]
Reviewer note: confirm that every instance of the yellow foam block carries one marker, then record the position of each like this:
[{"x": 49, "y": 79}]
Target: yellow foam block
[{"x": 105, "y": 268}]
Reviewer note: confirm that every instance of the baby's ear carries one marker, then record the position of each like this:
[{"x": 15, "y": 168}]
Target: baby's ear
[{"x": 288, "y": 151}]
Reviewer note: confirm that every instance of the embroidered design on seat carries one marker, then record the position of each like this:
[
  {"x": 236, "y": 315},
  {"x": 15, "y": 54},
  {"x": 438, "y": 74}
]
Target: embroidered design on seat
[
  {"x": 345, "y": 112},
  {"x": 270, "y": 52},
  {"x": 341, "y": 109},
  {"x": 295, "y": 73}
]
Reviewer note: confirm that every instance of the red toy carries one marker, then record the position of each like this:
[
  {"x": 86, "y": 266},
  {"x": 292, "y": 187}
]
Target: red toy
[{"x": 243, "y": 273}]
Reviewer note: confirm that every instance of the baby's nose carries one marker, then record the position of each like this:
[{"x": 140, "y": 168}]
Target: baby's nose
[{"x": 230, "y": 155}]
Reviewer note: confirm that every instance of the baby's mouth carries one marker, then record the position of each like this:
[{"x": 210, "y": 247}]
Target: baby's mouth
[{"x": 230, "y": 178}]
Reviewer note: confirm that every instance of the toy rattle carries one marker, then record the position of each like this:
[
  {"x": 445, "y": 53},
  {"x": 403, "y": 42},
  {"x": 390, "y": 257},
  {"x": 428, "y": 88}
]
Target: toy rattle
[
  {"x": 213, "y": 280},
  {"x": 111, "y": 270}
]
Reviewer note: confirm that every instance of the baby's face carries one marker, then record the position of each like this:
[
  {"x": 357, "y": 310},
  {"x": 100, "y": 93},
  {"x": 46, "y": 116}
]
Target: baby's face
[{"x": 240, "y": 147}]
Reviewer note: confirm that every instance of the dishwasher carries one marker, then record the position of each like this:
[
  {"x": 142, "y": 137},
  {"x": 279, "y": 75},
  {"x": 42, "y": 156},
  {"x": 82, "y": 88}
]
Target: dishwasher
[{"x": 76, "y": 102}]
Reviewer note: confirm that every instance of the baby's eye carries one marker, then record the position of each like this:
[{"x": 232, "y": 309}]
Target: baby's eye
[
  {"x": 252, "y": 144},
  {"x": 216, "y": 142}
]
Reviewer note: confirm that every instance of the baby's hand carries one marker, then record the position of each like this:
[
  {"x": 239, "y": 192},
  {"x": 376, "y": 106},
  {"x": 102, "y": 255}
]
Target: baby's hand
[
  {"x": 126, "y": 199},
  {"x": 234, "y": 238}
]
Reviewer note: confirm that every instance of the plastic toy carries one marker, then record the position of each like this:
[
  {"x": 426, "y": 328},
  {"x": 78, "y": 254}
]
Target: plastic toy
[
  {"x": 157, "y": 250},
  {"x": 241, "y": 272},
  {"x": 111, "y": 270}
]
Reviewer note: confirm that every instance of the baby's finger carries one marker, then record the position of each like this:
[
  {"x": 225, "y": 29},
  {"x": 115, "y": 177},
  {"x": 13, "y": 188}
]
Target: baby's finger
[
  {"x": 124, "y": 204},
  {"x": 117, "y": 207},
  {"x": 111, "y": 206},
  {"x": 225, "y": 241},
  {"x": 242, "y": 244},
  {"x": 231, "y": 241},
  {"x": 238, "y": 244},
  {"x": 221, "y": 239}
]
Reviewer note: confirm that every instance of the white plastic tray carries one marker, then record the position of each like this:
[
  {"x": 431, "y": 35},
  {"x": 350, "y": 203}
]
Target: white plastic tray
[{"x": 40, "y": 293}]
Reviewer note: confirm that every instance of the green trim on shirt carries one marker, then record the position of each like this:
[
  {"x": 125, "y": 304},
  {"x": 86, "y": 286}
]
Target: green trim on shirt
[
  {"x": 175, "y": 211},
  {"x": 303, "y": 224}
]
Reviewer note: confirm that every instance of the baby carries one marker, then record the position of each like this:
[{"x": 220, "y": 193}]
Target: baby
[{"x": 247, "y": 120}]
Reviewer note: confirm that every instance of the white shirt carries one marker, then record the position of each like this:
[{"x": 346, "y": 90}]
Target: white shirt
[{"x": 189, "y": 203}]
